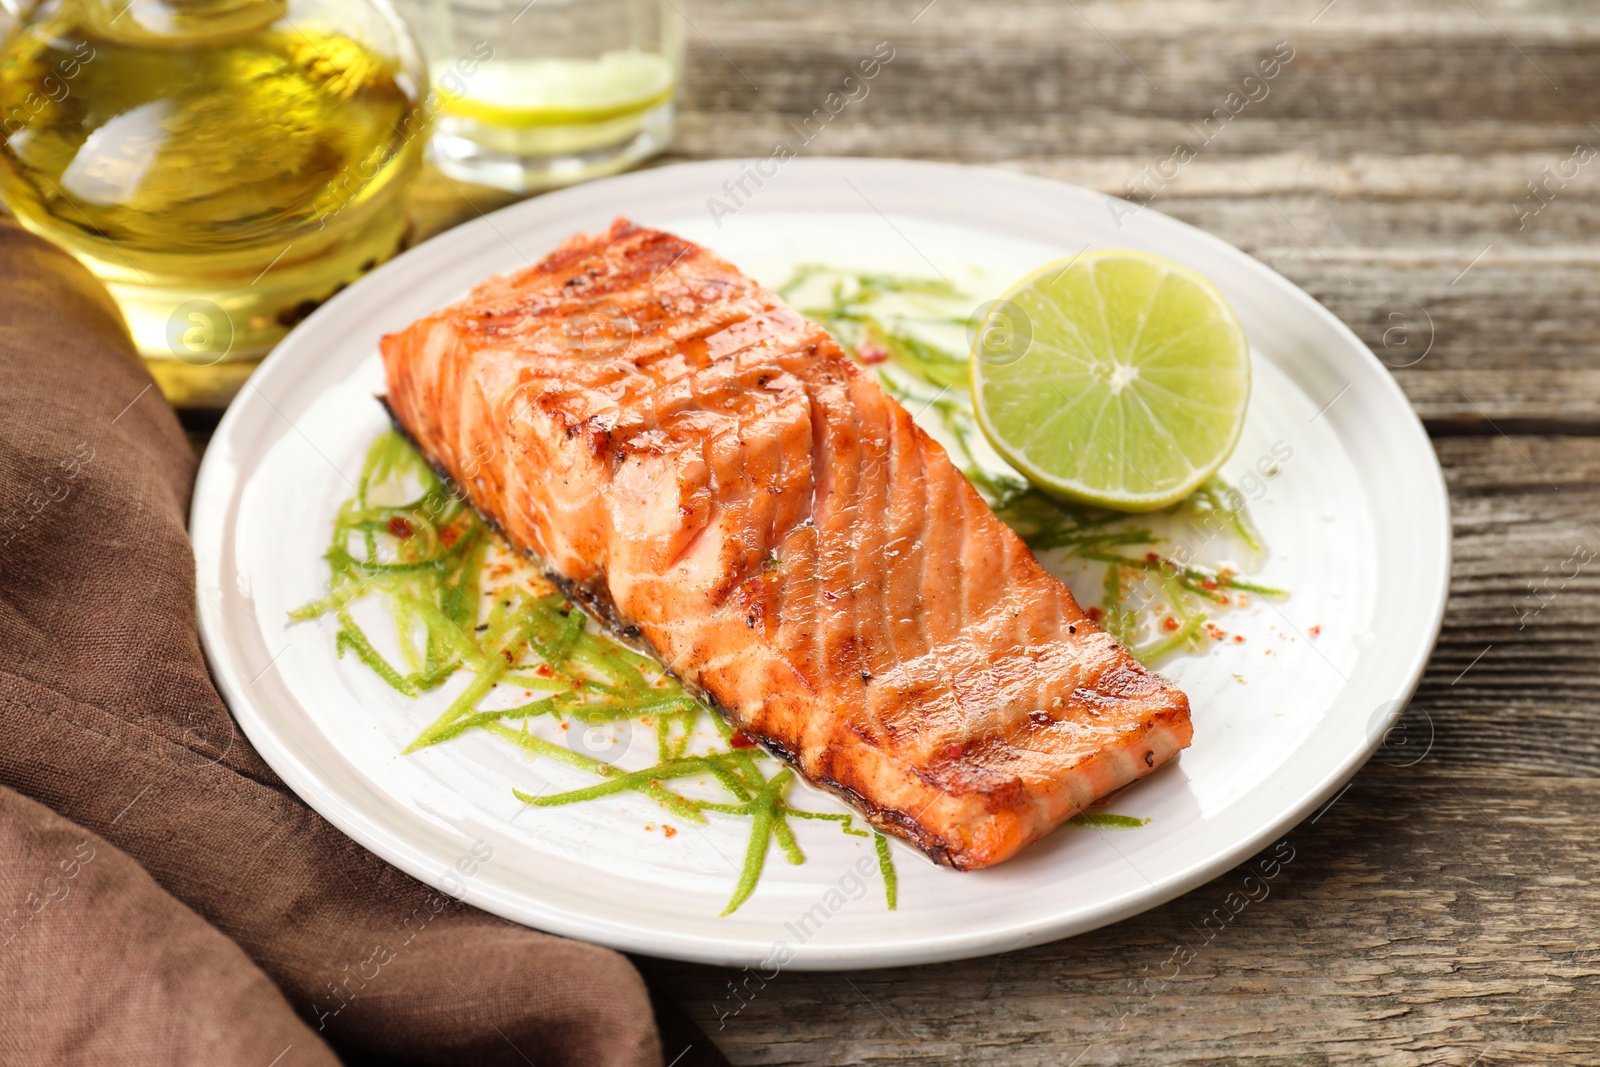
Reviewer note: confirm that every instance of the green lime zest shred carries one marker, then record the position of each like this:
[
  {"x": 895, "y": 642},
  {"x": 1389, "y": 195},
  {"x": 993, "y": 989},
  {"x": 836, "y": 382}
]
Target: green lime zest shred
[
  {"x": 439, "y": 571},
  {"x": 354, "y": 638},
  {"x": 891, "y": 883},
  {"x": 1104, "y": 820},
  {"x": 1186, "y": 636},
  {"x": 662, "y": 772},
  {"x": 901, "y": 326},
  {"x": 763, "y": 814},
  {"x": 406, "y": 541}
]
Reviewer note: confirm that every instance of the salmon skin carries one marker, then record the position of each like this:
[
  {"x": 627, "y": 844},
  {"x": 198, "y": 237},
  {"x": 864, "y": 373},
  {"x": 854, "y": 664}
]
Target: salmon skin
[{"x": 715, "y": 477}]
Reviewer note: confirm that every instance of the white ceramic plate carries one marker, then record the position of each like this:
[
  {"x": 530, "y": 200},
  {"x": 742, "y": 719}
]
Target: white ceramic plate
[{"x": 1356, "y": 518}]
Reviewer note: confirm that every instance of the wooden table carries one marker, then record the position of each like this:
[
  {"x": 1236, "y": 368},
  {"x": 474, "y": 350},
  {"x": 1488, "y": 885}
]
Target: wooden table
[
  {"x": 1444, "y": 909},
  {"x": 1443, "y": 912}
]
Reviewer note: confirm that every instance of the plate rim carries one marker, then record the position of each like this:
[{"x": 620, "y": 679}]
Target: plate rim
[{"x": 215, "y": 488}]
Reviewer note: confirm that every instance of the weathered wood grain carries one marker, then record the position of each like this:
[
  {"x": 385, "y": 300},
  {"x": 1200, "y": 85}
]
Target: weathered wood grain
[
  {"x": 1393, "y": 151},
  {"x": 1385, "y": 169},
  {"x": 1439, "y": 913},
  {"x": 1442, "y": 912},
  {"x": 1427, "y": 917}
]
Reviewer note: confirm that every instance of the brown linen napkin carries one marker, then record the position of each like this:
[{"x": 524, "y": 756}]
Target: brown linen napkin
[
  {"x": 111, "y": 720},
  {"x": 158, "y": 988}
]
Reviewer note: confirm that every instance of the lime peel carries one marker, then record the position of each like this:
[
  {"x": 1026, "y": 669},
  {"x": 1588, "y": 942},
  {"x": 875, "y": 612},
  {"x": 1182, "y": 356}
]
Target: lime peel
[
  {"x": 1120, "y": 379},
  {"x": 562, "y": 92}
]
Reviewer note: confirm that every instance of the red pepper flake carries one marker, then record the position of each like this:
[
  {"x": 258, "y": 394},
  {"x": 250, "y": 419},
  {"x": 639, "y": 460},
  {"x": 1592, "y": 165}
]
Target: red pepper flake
[
  {"x": 740, "y": 739},
  {"x": 1152, "y": 557},
  {"x": 1238, "y": 639},
  {"x": 872, "y": 352},
  {"x": 670, "y": 831},
  {"x": 543, "y": 670},
  {"x": 1209, "y": 585},
  {"x": 1223, "y": 599},
  {"x": 1169, "y": 624},
  {"x": 400, "y": 527},
  {"x": 449, "y": 535},
  {"x": 952, "y": 750},
  {"x": 1095, "y": 614},
  {"x": 1216, "y": 633},
  {"x": 1316, "y": 631},
  {"x": 563, "y": 726}
]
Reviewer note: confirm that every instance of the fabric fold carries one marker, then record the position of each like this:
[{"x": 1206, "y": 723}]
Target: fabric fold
[
  {"x": 113, "y": 722},
  {"x": 117, "y": 970}
]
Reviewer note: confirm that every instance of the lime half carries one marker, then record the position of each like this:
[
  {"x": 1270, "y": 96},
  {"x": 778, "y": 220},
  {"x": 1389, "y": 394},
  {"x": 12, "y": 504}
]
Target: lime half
[
  {"x": 563, "y": 92},
  {"x": 1117, "y": 379}
]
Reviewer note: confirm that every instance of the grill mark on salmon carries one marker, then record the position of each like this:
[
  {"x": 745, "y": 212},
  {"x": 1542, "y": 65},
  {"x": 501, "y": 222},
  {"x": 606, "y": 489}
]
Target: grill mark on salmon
[{"x": 727, "y": 490}]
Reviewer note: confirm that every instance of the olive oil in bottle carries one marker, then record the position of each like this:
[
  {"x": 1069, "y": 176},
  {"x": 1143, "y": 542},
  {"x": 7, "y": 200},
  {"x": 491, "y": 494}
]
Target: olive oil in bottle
[{"x": 222, "y": 165}]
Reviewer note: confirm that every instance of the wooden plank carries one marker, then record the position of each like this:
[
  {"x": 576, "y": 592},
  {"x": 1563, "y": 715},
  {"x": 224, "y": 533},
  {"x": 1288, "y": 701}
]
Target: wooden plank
[
  {"x": 1364, "y": 62},
  {"x": 1382, "y": 176},
  {"x": 1426, "y": 918},
  {"x": 1440, "y": 912},
  {"x": 1374, "y": 172}
]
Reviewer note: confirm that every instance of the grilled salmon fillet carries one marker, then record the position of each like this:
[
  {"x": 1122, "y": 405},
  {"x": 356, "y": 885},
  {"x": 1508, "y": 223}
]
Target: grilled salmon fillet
[{"x": 713, "y": 474}]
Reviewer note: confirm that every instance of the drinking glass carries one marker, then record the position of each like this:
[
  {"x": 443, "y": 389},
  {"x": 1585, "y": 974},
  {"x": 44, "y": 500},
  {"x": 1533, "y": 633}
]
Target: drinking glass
[{"x": 532, "y": 94}]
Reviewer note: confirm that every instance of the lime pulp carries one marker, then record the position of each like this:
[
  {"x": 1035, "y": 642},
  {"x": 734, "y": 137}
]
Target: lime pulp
[{"x": 1117, "y": 379}]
